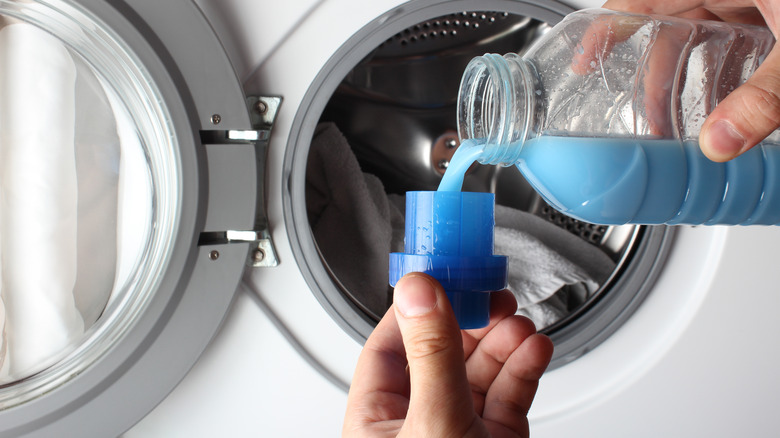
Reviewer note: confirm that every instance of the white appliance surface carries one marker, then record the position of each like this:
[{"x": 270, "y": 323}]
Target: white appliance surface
[{"x": 697, "y": 359}]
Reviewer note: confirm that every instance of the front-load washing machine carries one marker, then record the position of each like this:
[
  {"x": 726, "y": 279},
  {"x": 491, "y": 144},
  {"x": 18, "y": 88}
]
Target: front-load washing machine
[{"x": 237, "y": 168}]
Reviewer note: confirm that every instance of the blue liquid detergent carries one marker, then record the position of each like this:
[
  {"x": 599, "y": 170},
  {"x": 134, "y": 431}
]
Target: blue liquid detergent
[
  {"x": 449, "y": 236},
  {"x": 468, "y": 152},
  {"x": 616, "y": 181}
]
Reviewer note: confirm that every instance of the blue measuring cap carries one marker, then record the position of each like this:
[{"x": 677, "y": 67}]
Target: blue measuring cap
[{"x": 449, "y": 236}]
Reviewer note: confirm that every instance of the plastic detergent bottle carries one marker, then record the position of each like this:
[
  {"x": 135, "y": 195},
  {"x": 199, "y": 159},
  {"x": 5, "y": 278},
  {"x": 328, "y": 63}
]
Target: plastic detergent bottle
[
  {"x": 449, "y": 235},
  {"x": 602, "y": 117}
]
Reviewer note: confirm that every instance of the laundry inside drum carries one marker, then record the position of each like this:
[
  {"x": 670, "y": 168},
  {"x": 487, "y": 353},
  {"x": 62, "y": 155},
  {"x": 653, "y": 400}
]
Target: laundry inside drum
[
  {"x": 390, "y": 128},
  {"x": 83, "y": 198}
]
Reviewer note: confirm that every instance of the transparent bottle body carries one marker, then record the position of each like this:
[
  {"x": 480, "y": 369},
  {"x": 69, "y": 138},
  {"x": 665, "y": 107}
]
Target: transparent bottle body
[{"x": 602, "y": 115}]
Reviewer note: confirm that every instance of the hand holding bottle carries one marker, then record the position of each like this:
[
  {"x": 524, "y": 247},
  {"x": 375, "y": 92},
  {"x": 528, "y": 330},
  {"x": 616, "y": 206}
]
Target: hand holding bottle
[
  {"x": 752, "y": 111},
  {"x": 617, "y": 141}
]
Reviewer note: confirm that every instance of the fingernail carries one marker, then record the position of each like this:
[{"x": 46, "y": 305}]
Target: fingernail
[
  {"x": 414, "y": 296},
  {"x": 725, "y": 140}
]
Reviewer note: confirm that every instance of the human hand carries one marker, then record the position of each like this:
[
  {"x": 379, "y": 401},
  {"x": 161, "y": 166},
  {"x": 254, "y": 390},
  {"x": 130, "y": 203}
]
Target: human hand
[
  {"x": 420, "y": 376},
  {"x": 752, "y": 111}
]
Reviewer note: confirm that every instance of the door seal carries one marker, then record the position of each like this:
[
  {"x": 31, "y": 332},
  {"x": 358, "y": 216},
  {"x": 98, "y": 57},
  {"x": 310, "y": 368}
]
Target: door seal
[{"x": 262, "y": 113}]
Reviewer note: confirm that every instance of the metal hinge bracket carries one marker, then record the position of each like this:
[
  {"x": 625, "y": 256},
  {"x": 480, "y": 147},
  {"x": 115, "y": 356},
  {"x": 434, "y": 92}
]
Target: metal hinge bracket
[{"x": 262, "y": 113}]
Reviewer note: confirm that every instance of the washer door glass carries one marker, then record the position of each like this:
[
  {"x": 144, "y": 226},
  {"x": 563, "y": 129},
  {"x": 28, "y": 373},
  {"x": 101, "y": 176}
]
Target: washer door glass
[{"x": 88, "y": 194}]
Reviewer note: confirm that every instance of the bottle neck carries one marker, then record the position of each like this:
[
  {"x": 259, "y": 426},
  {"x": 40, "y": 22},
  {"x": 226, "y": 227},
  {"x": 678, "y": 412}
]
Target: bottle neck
[{"x": 495, "y": 105}]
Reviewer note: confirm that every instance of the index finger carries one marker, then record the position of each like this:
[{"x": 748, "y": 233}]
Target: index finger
[
  {"x": 502, "y": 305},
  {"x": 598, "y": 40},
  {"x": 741, "y": 11},
  {"x": 660, "y": 8},
  {"x": 602, "y": 33}
]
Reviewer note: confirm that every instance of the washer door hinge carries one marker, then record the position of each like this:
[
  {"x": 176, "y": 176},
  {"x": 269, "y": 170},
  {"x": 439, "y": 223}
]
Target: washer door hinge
[{"x": 262, "y": 112}]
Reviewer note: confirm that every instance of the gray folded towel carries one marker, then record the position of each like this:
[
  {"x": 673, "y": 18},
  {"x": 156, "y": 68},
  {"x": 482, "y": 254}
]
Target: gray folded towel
[
  {"x": 356, "y": 225},
  {"x": 351, "y": 219}
]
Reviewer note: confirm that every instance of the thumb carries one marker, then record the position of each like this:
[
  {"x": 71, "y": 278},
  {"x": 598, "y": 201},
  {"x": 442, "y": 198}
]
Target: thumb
[
  {"x": 746, "y": 116},
  {"x": 440, "y": 402}
]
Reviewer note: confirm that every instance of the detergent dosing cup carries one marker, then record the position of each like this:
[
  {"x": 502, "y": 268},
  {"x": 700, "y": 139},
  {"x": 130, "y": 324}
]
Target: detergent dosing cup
[{"x": 449, "y": 236}]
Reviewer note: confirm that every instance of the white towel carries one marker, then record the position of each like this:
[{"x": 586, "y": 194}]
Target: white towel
[
  {"x": 39, "y": 197},
  {"x": 537, "y": 273},
  {"x": 551, "y": 271},
  {"x": 59, "y": 164},
  {"x": 351, "y": 219}
]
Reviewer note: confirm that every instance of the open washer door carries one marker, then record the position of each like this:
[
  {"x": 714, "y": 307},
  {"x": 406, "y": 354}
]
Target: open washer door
[{"x": 128, "y": 207}]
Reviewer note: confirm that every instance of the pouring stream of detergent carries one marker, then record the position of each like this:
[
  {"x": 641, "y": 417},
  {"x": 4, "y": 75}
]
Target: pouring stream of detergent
[{"x": 468, "y": 152}]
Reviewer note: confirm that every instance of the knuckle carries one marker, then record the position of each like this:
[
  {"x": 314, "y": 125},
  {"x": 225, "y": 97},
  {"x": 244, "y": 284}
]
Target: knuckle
[
  {"x": 765, "y": 103},
  {"x": 511, "y": 405},
  {"x": 427, "y": 344}
]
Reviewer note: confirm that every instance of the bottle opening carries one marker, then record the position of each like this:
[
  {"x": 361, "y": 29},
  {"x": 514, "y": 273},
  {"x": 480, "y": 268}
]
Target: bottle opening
[{"x": 494, "y": 106}]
